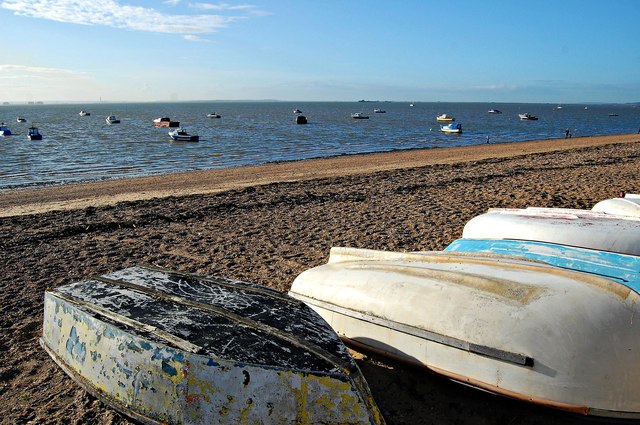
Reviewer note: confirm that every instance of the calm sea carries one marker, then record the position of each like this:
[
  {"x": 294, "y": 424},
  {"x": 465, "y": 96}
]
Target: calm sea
[{"x": 76, "y": 148}]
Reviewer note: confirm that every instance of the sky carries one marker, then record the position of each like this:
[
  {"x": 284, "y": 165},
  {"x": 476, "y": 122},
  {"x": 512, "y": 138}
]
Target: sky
[{"x": 559, "y": 51}]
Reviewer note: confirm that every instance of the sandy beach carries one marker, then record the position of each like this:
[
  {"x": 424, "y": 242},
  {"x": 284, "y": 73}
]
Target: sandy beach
[{"x": 266, "y": 224}]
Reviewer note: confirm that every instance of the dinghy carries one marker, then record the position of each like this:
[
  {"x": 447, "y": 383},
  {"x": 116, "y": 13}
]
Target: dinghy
[
  {"x": 169, "y": 347},
  {"x": 623, "y": 268},
  {"x": 512, "y": 326},
  {"x": 573, "y": 227},
  {"x": 629, "y": 205}
]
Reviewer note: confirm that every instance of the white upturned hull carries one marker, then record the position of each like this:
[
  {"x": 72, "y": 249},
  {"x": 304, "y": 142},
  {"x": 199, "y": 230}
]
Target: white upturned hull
[
  {"x": 580, "y": 228},
  {"x": 629, "y": 206},
  {"x": 519, "y": 328}
]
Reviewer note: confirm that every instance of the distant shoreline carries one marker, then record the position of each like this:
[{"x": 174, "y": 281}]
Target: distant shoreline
[{"x": 82, "y": 195}]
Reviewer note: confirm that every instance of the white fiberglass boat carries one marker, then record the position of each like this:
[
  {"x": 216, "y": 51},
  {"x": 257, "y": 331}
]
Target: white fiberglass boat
[
  {"x": 512, "y": 326},
  {"x": 573, "y": 227},
  {"x": 628, "y": 205}
]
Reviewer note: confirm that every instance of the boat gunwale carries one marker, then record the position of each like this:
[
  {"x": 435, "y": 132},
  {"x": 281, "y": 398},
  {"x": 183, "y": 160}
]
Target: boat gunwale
[{"x": 525, "y": 264}]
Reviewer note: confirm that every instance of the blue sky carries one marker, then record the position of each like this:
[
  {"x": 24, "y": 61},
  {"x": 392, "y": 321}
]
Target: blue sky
[{"x": 560, "y": 51}]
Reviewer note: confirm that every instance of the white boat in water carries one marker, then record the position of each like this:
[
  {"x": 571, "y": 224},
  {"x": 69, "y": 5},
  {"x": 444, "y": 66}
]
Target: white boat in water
[
  {"x": 112, "y": 119},
  {"x": 512, "y": 326},
  {"x": 527, "y": 117},
  {"x": 451, "y": 128},
  {"x": 574, "y": 227},
  {"x": 176, "y": 348},
  {"x": 359, "y": 116},
  {"x": 628, "y": 205},
  {"x": 181, "y": 135}
]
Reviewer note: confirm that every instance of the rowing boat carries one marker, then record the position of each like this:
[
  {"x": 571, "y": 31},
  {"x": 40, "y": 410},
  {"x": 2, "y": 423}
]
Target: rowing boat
[
  {"x": 512, "y": 326},
  {"x": 572, "y": 227},
  {"x": 629, "y": 205},
  {"x": 168, "y": 347}
]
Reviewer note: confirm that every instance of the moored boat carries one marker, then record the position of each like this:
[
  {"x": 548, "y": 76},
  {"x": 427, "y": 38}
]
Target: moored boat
[
  {"x": 181, "y": 135},
  {"x": 301, "y": 119},
  {"x": 33, "y": 133},
  {"x": 4, "y": 130},
  {"x": 112, "y": 119},
  {"x": 451, "y": 128},
  {"x": 213, "y": 115},
  {"x": 169, "y": 347},
  {"x": 21, "y": 119},
  {"x": 574, "y": 227},
  {"x": 359, "y": 116},
  {"x": 512, "y": 326},
  {"x": 84, "y": 113},
  {"x": 444, "y": 117},
  {"x": 527, "y": 117},
  {"x": 165, "y": 122},
  {"x": 494, "y": 111},
  {"x": 379, "y": 111}
]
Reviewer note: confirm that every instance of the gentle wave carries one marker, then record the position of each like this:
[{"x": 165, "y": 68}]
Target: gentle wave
[{"x": 79, "y": 148}]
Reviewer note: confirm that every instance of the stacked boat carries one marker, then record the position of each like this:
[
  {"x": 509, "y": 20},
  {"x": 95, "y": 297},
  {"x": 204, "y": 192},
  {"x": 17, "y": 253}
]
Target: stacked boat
[{"x": 538, "y": 304}]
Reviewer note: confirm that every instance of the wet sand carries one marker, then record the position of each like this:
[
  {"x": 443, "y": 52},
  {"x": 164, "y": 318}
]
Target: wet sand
[{"x": 266, "y": 224}]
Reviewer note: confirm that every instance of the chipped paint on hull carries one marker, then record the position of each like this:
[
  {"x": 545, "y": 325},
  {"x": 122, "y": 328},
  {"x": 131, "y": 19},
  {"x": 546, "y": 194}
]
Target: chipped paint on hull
[
  {"x": 571, "y": 344},
  {"x": 156, "y": 382},
  {"x": 622, "y": 268}
]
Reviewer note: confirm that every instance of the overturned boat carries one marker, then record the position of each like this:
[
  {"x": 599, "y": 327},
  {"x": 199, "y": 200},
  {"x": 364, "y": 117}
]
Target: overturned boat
[
  {"x": 628, "y": 205},
  {"x": 168, "y": 347},
  {"x": 574, "y": 227},
  {"x": 513, "y": 326}
]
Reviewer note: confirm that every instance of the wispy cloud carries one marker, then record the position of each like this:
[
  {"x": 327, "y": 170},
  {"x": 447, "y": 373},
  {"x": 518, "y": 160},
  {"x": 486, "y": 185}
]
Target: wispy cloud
[
  {"x": 114, "y": 14},
  {"x": 222, "y": 6},
  {"x": 195, "y": 38},
  {"x": 23, "y": 71}
]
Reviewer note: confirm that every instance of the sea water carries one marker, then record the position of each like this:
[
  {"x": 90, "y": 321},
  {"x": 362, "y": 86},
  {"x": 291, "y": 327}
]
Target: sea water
[{"x": 85, "y": 148}]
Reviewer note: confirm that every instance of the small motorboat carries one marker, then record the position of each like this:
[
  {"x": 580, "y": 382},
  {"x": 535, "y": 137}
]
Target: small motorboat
[
  {"x": 213, "y": 115},
  {"x": 359, "y": 116},
  {"x": 4, "y": 130},
  {"x": 444, "y": 117},
  {"x": 509, "y": 325},
  {"x": 165, "y": 122},
  {"x": 628, "y": 205},
  {"x": 527, "y": 117},
  {"x": 84, "y": 113},
  {"x": 451, "y": 128},
  {"x": 21, "y": 119},
  {"x": 181, "y": 135},
  {"x": 494, "y": 111},
  {"x": 301, "y": 119},
  {"x": 33, "y": 133},
  {"x": 379, "y": 111},
  {"x": 112, "y": 119},
  {"x": 297, "y": 111},
  {"x": 580, "y": 228},
  {"x": 166, "y": 347}
]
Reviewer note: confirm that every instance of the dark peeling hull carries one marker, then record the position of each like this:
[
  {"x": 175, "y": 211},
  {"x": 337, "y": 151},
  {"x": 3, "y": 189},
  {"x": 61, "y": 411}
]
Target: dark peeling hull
[{"x": 163, "y": 346}]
